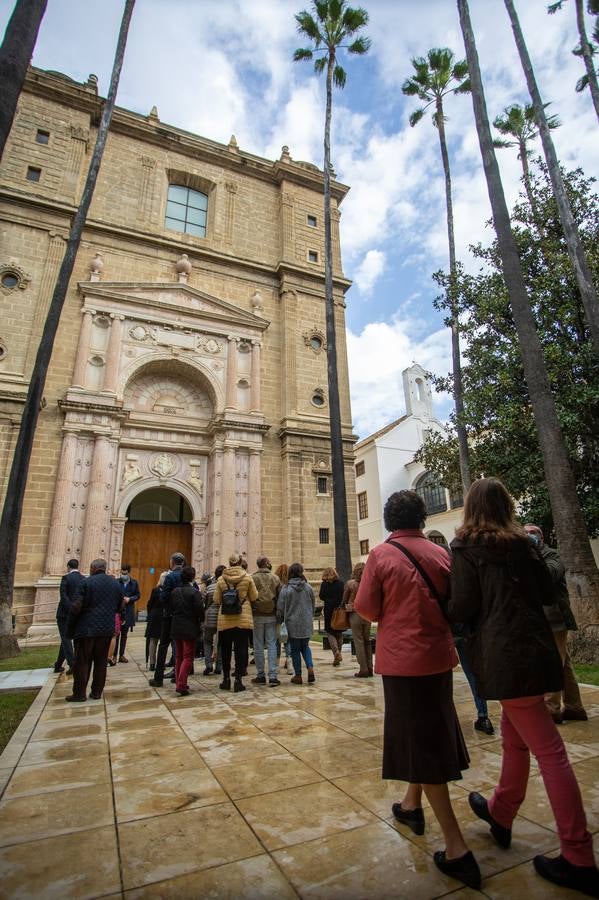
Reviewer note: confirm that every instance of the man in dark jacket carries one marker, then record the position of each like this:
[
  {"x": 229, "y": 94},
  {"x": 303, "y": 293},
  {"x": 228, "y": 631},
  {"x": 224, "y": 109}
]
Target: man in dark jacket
[
  {"x": 561, "y": 618},
  {"x": 172, "y": 580},
  {"x": 131, "y": 592},
  {"x": 91, "y": 622},
  {"x": 69, "y": 588}
]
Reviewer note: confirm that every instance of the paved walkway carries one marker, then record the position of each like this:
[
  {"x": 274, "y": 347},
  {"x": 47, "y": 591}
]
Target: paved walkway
[
  {"x": 24, "y": 679},
  {"x": 271, "y": 793}
]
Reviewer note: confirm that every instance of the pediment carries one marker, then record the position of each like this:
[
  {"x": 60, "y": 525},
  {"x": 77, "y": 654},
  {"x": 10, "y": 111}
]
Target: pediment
[{"x": 177, "y": 296}]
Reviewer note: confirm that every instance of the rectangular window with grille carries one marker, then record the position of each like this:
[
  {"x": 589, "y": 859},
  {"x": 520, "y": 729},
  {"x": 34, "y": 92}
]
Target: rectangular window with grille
[
  {"x": 323, "y": 535},
  {"x": 364, "y": 548},
  {"x": 360, "y": 468},
  {"x": 363, "y": 505},
  {"x": 322, "y": 484}
]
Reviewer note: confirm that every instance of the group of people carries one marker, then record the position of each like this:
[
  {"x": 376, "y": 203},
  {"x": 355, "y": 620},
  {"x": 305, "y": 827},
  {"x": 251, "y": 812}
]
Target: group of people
[{"x": 495, "y": 584}]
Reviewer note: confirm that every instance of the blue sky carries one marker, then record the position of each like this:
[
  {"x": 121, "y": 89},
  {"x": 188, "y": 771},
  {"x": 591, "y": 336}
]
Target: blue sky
[{"x": 219, "y": 67}]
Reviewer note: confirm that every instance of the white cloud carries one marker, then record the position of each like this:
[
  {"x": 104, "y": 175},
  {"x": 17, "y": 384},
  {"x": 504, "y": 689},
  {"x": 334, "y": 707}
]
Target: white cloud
[{"x": 369, "y": 271}]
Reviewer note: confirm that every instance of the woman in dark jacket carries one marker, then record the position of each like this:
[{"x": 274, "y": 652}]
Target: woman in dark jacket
[
  {"x": 499, "y": 584},
  {"x": 331, "y": 593},
  {"x": 188, "y": 612},
  {"x": 153, "y": 624}
]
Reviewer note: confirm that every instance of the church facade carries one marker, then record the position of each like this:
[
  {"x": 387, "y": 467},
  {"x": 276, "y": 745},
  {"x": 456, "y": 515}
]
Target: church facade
[{"x": 186, "y": 402}]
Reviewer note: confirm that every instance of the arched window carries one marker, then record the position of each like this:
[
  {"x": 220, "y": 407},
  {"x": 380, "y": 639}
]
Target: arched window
[
  {"x": 420, "y": 390},
  {"x": 432, "y": 492},
  {"x": 186, "y": 210}
]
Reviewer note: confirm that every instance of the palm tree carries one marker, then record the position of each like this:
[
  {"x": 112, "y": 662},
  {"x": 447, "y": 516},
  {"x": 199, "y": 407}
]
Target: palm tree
[
  {"x": 332, "y": 26},
  {"x": 574, "y": 244},
  {"x": 585, "y": 49},
  {"x": 575, "y": 550},
  {"x": 15, "y": 55},
  {"x": 13, "y": 503},
  {"x": 436, "y": 76},
  {"x": 519, "y": 123}
]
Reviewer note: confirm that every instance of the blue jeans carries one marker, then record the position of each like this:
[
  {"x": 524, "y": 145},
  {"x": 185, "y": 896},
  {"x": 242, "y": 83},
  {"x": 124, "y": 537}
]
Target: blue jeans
[
  {"x": 66, "y": 646},
  {"x": 300, "y": 647},
  {"x": 481, "y": 705},
  {"x": 265, "y": 635}
]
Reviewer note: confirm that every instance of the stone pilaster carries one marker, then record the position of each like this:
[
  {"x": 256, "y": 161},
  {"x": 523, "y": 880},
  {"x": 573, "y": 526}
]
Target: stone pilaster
[
  {"x": 99, "y": 502},
  {"x": 79, "y": 375},
  {"x": 56, "y": 558},
  {"x": 74, "y": 161},
  {"x": 255, "y": 398},
  {"x": 146, "y": 187},
  {"x": 54, "y": 256},
  {"x": 113, "y": 354},
  {"x": 198, "y": 547},
  {"x": 232, "y": 189},
  {"x": 254, "y": 508},
  {"x": 287, "y": 229},
  {"x": 289, "y": 355},
  {"x": 228, "y": 505},
  {"x": 117, "y": 532},
  {"x": 217, "y": 505},
  {"x": 231, "y": 386}
]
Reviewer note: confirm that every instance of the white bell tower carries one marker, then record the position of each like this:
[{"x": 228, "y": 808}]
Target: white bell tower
[{"x": 417, "y": 391}]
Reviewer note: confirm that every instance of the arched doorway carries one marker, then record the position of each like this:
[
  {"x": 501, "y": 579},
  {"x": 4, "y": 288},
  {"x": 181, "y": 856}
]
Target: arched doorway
[{"x": 158, "y": 525}]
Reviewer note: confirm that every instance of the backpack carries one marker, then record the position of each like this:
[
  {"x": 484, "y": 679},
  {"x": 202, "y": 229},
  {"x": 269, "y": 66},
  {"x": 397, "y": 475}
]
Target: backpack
[{"x": 231, "y": 602}]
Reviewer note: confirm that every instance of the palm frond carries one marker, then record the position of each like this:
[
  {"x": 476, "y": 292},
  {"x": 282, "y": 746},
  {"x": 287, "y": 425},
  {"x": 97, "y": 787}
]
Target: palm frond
[
  {"x": 320, "y": 64},
  {"x": 322, "y": 9},
  {"x": 497, "y": 142},
  {"x": 554, "y": 7},
  {"x": 360, "y": 45},
  {"x": 582, "y": 83},
  {"x": 416, "y": 116},
  {"x": 302, "y": 53},
  {"x": 460, "y": 70},
  {"x": 353, "y": 19},
  {"x": 438, "y": 117},
  {"x": 339, "y": 76},
  {"x": 593, "y": 7},
  {"x": 334, "y": 9},
  {"x": 464, "y": 88},
  {"x": 440, "y": 59},
  {"x": 309, "y": 27},
  {"x": 410, "y": 88}
]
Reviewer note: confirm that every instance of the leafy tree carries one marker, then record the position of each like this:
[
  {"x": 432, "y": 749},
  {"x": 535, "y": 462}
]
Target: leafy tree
[
  {"x": 15, "y": 55},
  {"x": 15, "y": 491},
  {"x": 518, "y": 123},
  {"x": 332, "y": 26},
  {"x": 575, "y": 248},
  {"x": 585, "y": 48},
  {"x": 573, "y": 543},
  {"x": 496, "y": 402},
  {"x": 435, "y": 77}
]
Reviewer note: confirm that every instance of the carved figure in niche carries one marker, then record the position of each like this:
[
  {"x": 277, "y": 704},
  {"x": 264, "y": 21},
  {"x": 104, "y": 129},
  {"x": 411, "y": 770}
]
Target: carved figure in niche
[
  {"x": 131, "y": 472},
  {"x": 197, "y": 481},
  {"x": 211, "y": 346},
  {"x": 163, "y": 465},
  {"x": 256, "y": 301}
]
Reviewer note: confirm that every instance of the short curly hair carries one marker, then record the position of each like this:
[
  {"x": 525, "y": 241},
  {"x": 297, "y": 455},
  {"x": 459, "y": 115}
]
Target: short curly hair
[{"x": 404, "y": 509}]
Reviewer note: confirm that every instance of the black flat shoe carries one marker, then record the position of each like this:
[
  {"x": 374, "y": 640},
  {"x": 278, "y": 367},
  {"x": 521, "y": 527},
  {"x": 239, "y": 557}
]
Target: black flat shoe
[
  {"x": 484, "y": 724},
  {"x": 559, "y": 871},
  {"x": 72, "y": 699},
  {"x": 225, "y": 684},
  {"x": 464, "y": 868},
  {"x": 414, "y": 818},
  {"x": 480, "y": 808}
]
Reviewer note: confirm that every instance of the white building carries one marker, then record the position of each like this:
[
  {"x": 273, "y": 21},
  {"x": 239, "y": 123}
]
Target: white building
[{"x": 385, "y": 464}]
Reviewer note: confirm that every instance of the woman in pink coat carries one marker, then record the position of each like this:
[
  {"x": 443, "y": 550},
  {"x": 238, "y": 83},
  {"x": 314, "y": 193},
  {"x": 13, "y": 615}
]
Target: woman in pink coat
[{"x": 405, "y": 580}]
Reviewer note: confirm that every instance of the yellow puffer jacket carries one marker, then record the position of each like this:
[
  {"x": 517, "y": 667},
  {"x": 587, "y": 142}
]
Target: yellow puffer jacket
[{"x": 236, "y": 577}]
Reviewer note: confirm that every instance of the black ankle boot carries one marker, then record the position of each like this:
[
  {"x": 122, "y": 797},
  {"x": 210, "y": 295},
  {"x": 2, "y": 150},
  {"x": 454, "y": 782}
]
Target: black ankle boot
[
  {"x": 559, "y": 871},
  {"x": 464, "y": 868},
  {"x": 225, "y": 684},
  {"x": 413, "y": 818},
  {"x": 238, "y": 686}
]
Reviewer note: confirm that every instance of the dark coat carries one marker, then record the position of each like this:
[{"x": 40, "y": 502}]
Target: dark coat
[
  {"x": 331, "y": 592},
  {"x": 131, "y": 592},
  {"x": 559, "y": 614},
  {"x": 500, "y": 592},
  {"x": 69, "y": 588},
  {"x": 172, "y": 580},
  {"x": 188, "y": 611},
  {"x": 101, "y": 597},
  {"x": 154, "y": 610}
]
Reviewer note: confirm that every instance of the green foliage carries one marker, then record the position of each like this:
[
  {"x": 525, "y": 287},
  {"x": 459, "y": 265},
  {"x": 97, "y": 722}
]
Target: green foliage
[
  {"x": 13, "y": 706},
  {"x": 518, "y": 122},
  {"x": 30, "y": 658},
  {"x": 587, "y": 674},
  {"x": 333, "y": 23},
  {"x": 497, "y": 411},
  {"x": 435, "y": 76},
  {"x": 593, "y": 10}
]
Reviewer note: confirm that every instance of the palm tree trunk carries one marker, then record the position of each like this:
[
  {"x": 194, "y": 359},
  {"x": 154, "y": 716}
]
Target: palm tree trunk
[
  {"x": 523, "y": 156},
  {"x": 458, "y": 393},
  {"x": 13, "y": 504},
  {"x": 340, "y": 520},
  {"x": 571, "y": 235},
  {"x": 573, "y": 542},
  {"x": 15, "y": 54},
  {"x": 586, "y": 55}
]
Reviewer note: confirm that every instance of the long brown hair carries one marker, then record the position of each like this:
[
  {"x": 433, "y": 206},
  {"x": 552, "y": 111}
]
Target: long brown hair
[
  {"x": 330, "y": 574},
  {"x": 489, "y": 514},
  {"x": 356, "y": 572},
  {"x": 282, "y": 573}
]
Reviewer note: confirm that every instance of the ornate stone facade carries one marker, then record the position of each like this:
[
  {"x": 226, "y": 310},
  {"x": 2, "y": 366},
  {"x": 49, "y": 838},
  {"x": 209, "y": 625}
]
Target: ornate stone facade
[{"x": 181, "y": 362}]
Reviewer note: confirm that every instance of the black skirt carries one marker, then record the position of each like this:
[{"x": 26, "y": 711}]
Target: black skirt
[{"x": 423, "y": 742}]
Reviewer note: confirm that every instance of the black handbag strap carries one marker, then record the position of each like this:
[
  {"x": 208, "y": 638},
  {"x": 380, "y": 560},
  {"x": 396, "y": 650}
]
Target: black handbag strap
[{"x": 440, "y": 600}]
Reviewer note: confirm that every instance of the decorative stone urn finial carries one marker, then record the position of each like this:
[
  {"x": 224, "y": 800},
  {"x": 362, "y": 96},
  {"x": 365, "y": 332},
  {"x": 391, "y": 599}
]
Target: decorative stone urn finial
[
  {"x": 92, "y": 83},
  {"x": 285, "y": 156},
  {"x": 257, "y": 304},
  {"x": 96, "y": 266},
  {"x": 153, "y": 115},
  {"x": 332, "y": 170},
  {"x": 233, "y": 146},
  {"x": 183, "y": 267}
]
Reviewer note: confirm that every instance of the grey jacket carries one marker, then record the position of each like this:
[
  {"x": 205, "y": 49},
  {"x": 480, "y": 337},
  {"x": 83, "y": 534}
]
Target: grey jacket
[{"x": 295, "y": 607}]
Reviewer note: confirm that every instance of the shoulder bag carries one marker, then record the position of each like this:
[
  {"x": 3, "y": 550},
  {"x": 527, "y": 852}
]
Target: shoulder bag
[{"x": 442, "y": 601}]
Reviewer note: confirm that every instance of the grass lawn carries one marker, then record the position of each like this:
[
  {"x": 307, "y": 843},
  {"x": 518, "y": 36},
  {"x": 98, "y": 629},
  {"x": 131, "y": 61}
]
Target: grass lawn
[
  {"x": 587, "y": 674},
  {"x": 13, "y": 706},
  {"x": 31, "y": 658}
]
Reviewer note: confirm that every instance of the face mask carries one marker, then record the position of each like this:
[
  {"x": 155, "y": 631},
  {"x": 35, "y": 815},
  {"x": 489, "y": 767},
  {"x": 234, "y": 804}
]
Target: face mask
[
  {"x": 125, "y": 577},
  {"x": 536, "y": 540}
]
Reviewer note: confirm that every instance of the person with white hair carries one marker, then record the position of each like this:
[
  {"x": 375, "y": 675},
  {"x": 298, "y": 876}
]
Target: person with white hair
[{"x": 234, "y": 594}]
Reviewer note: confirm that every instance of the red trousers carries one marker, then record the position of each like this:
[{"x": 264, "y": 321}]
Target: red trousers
[
  {"x": 527, "y": 727},
  {"x": 184, "y": 654}
]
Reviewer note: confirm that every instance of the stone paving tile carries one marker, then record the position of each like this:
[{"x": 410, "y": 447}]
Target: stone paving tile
[
  {"x": 265, "y": 775},
  {"x": 59, "y": 776},
  {"x": 142, "y": 798},
  {"x": 26, "y": 818},
  {"x": 39, "y": 752}
]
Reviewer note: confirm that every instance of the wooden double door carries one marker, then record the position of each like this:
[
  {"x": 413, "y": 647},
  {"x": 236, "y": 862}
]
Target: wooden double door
[{"x": 148, "y": 547}]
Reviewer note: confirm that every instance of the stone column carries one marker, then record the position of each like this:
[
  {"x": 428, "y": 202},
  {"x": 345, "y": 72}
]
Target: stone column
[
  {"x": 117, "y": 532},
  {"x": 231, "y": 385},
  {"x": 254, "y": 508},
  {"x": 290, "y": 342},
  {"x": 113, "y": 355},
  {"x": 232, "y": 188},
  {"x": 217, "y": 505},
  {"x": 228, "y": 505},
  {"x": 56, "y": 248},
  {"x": 198, "y": 547},
  {"x": 83, "y": 348},
  {"x": 56, "y": 552},
  {"x": 255, "y": 401},
  {"x": 74, "y": 161},
  {"x": 146, "y": 187},
  {"x": 99, "y": 499}
]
